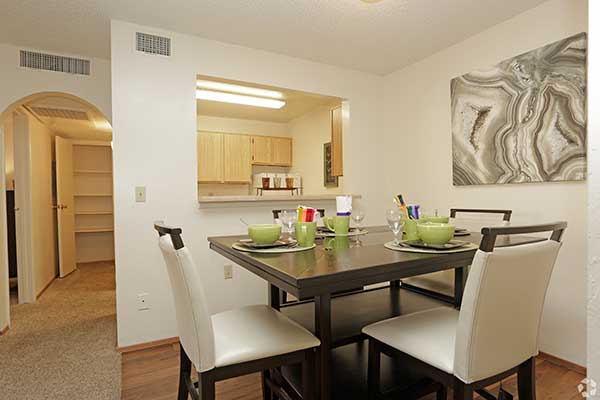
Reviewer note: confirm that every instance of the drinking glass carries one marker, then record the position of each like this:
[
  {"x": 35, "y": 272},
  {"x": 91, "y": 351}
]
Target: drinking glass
[
  {"x": 396, "y": 223},
  {"x": 287, "y": 218},
  {"x": 358, "y": 214}
]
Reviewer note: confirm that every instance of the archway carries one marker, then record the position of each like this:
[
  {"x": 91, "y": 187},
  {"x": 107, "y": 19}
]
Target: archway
[{"x": 55, "y": 121}]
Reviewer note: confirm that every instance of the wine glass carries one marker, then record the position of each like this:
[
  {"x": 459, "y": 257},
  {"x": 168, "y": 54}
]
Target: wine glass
[
  {"x": 287, "y": 218},
  {"x": 396, "y": 223},
  {"x": 358, "y": 214}
]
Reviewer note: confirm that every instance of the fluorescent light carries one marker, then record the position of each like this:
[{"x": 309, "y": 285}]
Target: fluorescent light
[
  {"x": 226, "y": 87},
  {"x": 238, "y": 99}
]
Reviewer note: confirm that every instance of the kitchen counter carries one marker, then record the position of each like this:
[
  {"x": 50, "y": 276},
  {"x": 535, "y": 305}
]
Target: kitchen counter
[{"x": 272, "y": 199}]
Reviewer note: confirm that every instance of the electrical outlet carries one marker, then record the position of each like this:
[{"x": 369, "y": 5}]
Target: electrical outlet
[
  {"x": 142, "y": 302},
  {"x": 228, "y": 271},
  {"x": 140, "y": 194}
]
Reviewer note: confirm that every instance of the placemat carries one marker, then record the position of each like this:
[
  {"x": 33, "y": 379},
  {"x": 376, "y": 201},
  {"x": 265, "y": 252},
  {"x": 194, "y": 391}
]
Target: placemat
[
  {"x": 393, "y": 246},
  {"x": 273, "y": 250}
]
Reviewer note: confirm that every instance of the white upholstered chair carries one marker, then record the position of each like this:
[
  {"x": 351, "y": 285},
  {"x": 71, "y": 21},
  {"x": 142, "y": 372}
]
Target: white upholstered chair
[
  {"x": 495, "y": 333},
  {"x": 232, "y": 343},
  {"x": 441, "y": 285}
]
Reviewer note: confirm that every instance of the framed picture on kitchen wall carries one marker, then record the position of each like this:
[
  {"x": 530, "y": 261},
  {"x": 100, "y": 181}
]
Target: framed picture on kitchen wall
[{"x": 328, "y": 179}]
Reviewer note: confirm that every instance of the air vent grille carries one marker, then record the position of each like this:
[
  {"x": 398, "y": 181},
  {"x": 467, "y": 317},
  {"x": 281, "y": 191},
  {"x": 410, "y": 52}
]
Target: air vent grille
[
  {"x": 60, "y": 113},
  {"x": 51, "y": 62},
  {"x": 153, "y": 44}
]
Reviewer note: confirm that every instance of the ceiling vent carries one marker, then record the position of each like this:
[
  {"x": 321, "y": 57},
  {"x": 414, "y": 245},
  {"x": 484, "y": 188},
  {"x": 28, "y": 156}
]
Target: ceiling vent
[
  {"x": 62, "y": 113},
  {"x": 152, "y": 44},
  {"x": 50, "y": 62}
]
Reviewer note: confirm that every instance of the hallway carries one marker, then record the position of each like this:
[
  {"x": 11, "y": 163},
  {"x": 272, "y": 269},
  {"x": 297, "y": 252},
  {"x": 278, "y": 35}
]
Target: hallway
[{"x": 64, "y": 346}]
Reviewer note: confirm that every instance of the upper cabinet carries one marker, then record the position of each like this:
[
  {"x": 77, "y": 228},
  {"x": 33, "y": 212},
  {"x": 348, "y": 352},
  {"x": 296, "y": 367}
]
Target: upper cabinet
[
  {"x": 282, "y": 151},
  {"x": 224, "y": 158},
  {"x": 237, "y": 159},
  {"x": 267, "y": 150},
  {"x": 337, "y": 166},
  {"x": 261, "y": 150},
  {"x": 210, "y": 157}
]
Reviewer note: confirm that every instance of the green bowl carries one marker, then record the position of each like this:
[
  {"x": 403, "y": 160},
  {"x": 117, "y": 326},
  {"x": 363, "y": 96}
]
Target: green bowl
[
  {"x": 433, "y": 218},
  {"x": 264, "y": 233},
  {"x": 435, "y": 233}
]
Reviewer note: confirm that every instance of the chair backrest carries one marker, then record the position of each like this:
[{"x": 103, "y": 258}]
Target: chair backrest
[
  {"x": 503, "y": 301},
  {"x": 193, "y": 319},
  {"x": 321, "y": 212},
  {"x": 474, "y": 219}
]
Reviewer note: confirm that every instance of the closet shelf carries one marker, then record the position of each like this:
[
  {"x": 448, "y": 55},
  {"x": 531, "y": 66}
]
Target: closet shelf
[
  {"x": 93, "y": 212},
  {"x": 92, "y": 171},
  {"x": 94, "y": 230},
  {"x": 92, "y": 194}
]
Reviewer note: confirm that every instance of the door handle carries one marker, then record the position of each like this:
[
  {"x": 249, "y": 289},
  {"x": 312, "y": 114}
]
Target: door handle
[{"x": 17, "y": 209}]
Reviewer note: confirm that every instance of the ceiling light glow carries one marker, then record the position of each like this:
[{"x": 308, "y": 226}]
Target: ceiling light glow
[
  {"x": 227, "y": 87},
  {"x": 238, "y": 99}
]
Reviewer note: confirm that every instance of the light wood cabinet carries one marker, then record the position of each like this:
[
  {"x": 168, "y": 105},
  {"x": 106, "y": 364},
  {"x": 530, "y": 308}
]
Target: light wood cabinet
[
  {"x": 210, "y": 157},
  {"x": 337, "y": 166},
  {"x": 261, "y": 150},
  {"x": 282, "y": 151},
  {"x": 269, "y": 150},
  {"x": 237, "y": 166}
]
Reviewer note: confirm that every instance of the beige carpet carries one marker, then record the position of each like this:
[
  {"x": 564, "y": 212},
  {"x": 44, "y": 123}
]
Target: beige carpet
[{"x": 64, "y": 346}]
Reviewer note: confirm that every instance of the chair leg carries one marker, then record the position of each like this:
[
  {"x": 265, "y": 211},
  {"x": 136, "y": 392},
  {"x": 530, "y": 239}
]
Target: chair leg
[
  {"x": 185, "y": 371},
  {"x": 206, "y": 386},
  {"x": 462, "y": 391},
  {"x": 267, "y": 394},
  {"x": 526, "y": 380},
  {"x": 308, "y": 375},
  {"x": 374, "y": 375}
]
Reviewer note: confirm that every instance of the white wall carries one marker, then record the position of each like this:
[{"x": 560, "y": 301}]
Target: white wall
[
  {"x": 9, "y": 156},
  {"x": 244, "y": 126},
  {"x": 310, "y": 131},
  {"x": 419, "y": 158},
  {"x": 18, "y": 83},
  {"x": 593, "y": 361},
  {"x": 154, "y": 118}
]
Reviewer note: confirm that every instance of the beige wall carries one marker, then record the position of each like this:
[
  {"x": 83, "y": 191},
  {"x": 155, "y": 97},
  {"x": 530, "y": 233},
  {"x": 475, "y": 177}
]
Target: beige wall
[
  {"x": 419, "y": 157},
  {"x": 309, "y": 132},
  {"x": 43, "y": 222}
]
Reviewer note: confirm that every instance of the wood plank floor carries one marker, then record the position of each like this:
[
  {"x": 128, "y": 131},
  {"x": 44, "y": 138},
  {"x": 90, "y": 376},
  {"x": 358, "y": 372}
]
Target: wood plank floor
[{"x": 152, "y": 374}]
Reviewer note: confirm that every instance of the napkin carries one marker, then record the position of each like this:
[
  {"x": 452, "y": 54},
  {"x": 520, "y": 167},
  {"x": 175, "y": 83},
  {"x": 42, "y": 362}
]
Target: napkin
[{"x": 344, "y": 205}]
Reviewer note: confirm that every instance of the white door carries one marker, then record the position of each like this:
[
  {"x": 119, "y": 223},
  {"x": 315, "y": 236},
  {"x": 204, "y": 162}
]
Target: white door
[
  {"x": 23, "y": 225},
  {"x": 65, "y": 206}
]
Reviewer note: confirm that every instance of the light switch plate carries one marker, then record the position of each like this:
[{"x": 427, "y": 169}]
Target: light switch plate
[
  {"x": 228, "y": 271},
  {"x": 140, "y": 194}
]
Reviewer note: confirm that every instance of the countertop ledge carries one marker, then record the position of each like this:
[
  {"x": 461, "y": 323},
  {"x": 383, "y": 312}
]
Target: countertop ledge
[{"x": 270, "y": 199}]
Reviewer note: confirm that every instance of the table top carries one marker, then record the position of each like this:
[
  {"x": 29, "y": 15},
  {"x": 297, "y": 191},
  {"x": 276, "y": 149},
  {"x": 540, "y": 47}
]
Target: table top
[{"x": 322, "y": 270}]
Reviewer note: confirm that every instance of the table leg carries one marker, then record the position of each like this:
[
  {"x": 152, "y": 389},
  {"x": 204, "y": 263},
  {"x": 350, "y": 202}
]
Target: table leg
[
  {"x": 460, "y": 279},
  {"x": 323, "y": 332},
  {"x": 274, "y": 297}
]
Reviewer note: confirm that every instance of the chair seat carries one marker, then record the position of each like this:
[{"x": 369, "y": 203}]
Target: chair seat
[
  {"x": 427, "y": 335},
  {"x": 255, "y": 332}
]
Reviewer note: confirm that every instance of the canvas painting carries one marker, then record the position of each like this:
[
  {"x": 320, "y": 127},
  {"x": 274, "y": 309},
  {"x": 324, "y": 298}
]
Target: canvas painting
[{"x": 523, "y": 120}]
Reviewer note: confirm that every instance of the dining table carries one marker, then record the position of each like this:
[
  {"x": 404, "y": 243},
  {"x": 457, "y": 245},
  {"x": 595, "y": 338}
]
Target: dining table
[{"x": 324, "y": 280}]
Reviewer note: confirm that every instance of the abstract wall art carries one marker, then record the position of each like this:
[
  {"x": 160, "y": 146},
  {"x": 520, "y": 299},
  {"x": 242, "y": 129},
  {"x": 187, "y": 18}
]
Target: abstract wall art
[{"x": 523, "y": 120}]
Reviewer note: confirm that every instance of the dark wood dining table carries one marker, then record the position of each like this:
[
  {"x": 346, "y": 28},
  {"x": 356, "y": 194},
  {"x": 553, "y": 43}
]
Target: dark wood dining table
[{"x": 324, "y": 280}]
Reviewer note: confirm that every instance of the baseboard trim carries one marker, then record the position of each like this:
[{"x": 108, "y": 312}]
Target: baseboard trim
[
  {"x": 44, "y": 289},
  {"x": 148, "y": 345},
  {"x": 563, "y": 363},
  {"x": 4, "y": 330}
]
